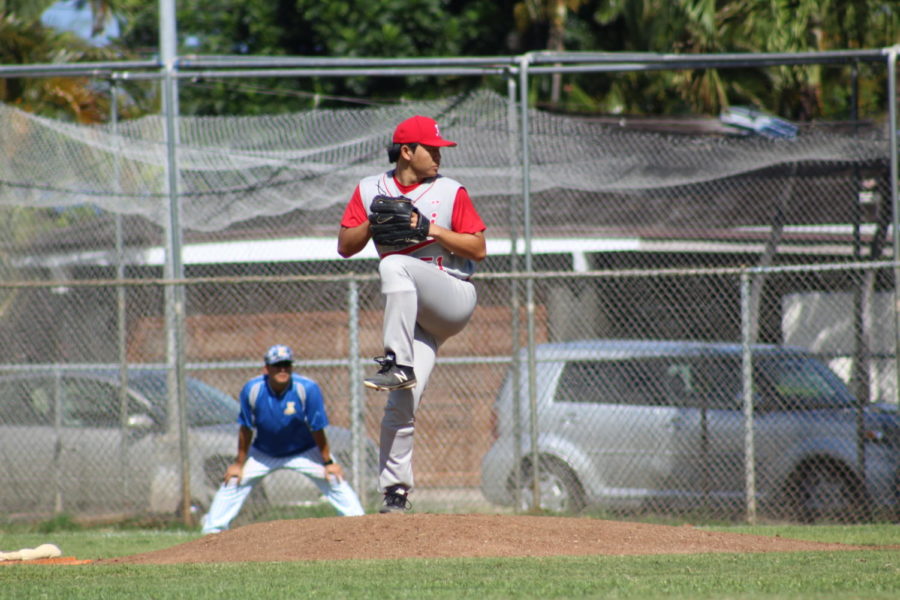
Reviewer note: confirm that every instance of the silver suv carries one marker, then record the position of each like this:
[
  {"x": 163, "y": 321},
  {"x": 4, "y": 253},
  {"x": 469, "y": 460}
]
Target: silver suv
[
  {"x": 68, "y": 443},
  {"x": 659, "y": 426}
]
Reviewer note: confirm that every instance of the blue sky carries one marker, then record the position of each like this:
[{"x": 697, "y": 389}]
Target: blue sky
[{"x": 75, "y": 16}]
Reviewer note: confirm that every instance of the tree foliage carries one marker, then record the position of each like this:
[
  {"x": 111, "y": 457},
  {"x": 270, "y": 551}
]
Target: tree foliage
[
  {"x": 441, "y": 28},
  {"x": 343, "y": 28},
  {"x": 710, "y": 26},
  {"x": 78, "y": 98}
]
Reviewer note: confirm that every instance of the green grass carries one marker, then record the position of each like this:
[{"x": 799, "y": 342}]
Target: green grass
[
  {"x": 870, "y": 574},
  {"x": 883, "y": 534}
]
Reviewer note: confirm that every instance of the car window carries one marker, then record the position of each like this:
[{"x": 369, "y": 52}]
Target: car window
[
  {"x": 705, "y": 381},
  {"x": 716, "y": 382},
  {"x": 209, "y": 406},
  {"x": 631, "y": 381},
  {"x": 587, "y": 383},
  {"x": 206, "y": 405},
  {"x": 799, "y": 383},
  {"x": 90, "y": 403},
  {"x": 26, "y": 402}
]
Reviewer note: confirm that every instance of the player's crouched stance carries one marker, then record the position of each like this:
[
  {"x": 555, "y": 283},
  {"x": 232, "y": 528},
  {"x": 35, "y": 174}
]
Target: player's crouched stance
[
  {"x": 429, "y": 237},
  {"x": 288, "y": 414}
]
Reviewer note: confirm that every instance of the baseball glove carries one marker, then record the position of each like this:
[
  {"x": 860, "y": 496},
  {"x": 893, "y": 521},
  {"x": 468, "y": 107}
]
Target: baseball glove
[{"x": 390, "y": 222}]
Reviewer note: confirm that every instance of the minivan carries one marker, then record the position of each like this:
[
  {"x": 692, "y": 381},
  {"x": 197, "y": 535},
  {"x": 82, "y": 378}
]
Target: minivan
[{"x": 660, "y": 426}]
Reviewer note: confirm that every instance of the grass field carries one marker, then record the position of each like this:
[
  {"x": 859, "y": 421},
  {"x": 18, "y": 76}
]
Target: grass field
[{"x": 869, "y": 574}]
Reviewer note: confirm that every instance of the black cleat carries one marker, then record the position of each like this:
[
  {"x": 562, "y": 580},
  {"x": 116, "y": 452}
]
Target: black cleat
[
  {"x": 391, "y": 376},
  {"x": 396, "y": 500}
]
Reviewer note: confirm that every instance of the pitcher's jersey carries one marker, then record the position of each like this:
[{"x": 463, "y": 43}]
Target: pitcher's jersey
[{"x": 442, "y": 200}]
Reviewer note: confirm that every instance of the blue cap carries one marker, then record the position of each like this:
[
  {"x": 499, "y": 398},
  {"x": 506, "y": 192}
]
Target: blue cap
[{"x": 279, "y": 353}]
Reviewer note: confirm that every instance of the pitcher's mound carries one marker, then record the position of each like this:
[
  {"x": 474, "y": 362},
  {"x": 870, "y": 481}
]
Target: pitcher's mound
[{"x": 445, "y": 535}]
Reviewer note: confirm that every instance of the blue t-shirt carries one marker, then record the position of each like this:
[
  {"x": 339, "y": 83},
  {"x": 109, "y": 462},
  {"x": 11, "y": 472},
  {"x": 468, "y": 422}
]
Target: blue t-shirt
[{"x": 283, "y": 423}]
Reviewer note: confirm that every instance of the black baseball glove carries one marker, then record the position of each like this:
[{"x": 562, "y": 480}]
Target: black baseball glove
[{"x": 390, "y": 222}]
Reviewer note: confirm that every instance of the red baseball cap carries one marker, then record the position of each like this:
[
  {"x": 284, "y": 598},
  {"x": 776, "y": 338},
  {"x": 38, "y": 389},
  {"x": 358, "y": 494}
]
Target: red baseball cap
[{"x": 420, "y": 130}]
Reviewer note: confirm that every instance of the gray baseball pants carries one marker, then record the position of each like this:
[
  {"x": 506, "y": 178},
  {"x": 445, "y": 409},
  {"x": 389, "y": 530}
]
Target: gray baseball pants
[{"x": 423, "y": 307}]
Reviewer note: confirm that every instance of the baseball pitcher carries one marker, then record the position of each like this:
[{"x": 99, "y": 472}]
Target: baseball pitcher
[{"x": 429, "y": 237}]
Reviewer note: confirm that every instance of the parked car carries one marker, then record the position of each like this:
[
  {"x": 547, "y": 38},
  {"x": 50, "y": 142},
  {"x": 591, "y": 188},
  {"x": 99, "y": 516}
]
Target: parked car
[
  {"x": 71, "y": 442},
  {"x": 660, "y": 425}
]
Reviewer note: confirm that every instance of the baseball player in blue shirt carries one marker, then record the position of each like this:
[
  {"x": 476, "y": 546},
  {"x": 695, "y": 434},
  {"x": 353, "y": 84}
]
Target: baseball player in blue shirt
[{"x": 288, "y": 414}]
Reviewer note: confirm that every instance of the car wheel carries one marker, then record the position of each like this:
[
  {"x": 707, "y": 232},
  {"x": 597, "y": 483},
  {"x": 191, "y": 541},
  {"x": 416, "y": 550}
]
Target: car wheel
[
  {"x": 824, "y": 492},
  {"x": 560, "y": 490}
]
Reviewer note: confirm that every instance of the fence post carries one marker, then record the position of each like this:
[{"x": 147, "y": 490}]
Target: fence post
[
  {"x": 515, "y": 215},
  {"x": 121, "y": 320},
  {"x": 175, "y": 293},
  {"x": 747, "y": 392},
  {"x": 529, "y": 284},
  {"x": 895, "y": 205},
  {"x": 357, "y": 416}
]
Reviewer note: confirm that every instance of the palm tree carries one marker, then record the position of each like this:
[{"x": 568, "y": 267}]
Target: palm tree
[
  {"x": 28, "y": 42},
  {"x": 24, "y": 40},
  {"x": 710, "y": 26},
  {"x": 552, "y": 14},
  {"x": 31, "y": 10},
  {"x": 816, "y": 25}
]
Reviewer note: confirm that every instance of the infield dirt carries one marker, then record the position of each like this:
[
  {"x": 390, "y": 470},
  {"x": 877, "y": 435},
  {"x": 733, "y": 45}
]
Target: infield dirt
[{"x": 457, "y": 535}]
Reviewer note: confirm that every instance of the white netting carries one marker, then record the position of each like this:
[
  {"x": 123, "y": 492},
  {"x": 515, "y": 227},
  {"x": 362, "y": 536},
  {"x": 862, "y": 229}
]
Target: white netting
[{"x": 237, "y": 168}]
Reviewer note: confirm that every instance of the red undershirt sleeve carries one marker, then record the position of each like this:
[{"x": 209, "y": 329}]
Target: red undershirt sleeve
[
  {"x": 465, "y": 218},
  {"x": 355, "y": 213}
]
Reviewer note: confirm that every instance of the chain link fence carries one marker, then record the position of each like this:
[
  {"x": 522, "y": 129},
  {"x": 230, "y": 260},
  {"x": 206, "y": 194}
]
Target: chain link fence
[
  {"x": 681, "y": 323},
  {"x": 623, "y": 418},
  {"x": 623, "y": 407}
]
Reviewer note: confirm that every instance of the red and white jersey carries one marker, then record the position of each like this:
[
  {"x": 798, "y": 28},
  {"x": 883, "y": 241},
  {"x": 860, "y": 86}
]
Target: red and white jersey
[{"x": 442, "y": 200}]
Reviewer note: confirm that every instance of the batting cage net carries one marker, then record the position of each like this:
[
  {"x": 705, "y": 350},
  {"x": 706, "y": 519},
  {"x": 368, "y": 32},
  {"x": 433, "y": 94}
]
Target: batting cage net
[{"x": 696, "y": 321}]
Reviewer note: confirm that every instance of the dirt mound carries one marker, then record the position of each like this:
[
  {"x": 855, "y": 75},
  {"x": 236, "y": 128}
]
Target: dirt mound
[{"x": 443, "y": 535}]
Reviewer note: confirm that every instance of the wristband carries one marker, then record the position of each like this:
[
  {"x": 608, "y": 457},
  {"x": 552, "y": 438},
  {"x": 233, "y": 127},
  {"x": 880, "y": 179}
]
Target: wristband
[{"x": 328, "y": 462}]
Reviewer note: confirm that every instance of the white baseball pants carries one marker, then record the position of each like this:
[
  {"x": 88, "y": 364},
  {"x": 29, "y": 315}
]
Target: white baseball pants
[
  {"x": 231, "y": 496},
  {"x": 423, "y": 307}
]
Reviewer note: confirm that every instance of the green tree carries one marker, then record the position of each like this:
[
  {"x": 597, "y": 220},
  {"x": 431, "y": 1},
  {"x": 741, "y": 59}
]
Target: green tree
[
  {"x": 24, "y": 40},
  {"x": 28, "y": 42},
  {"x": 803, "y": 26},
  {"x": 343, "y": 28},
  {"x": 710, "y": 26},
  {"x": 439, "y": 28},
  {"x": 551, "y": 15},
  {"x": 31, "y": 10}
]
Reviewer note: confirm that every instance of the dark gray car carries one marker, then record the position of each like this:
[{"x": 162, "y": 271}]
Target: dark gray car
[
  {"x": 70, "y": 442},
  {"x": 660, "y": 425}
]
